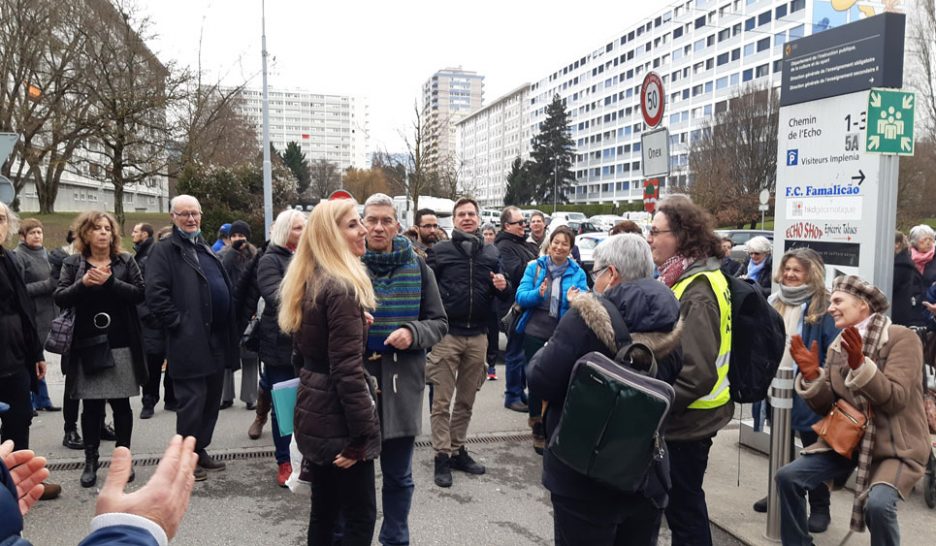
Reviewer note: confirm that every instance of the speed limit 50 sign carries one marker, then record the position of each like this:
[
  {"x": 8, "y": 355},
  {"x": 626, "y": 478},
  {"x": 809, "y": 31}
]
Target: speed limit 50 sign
[{"x": 652, "y": 99}]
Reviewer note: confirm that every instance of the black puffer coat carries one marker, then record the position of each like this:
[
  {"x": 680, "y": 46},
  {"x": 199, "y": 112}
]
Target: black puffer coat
[
  {"x": 592, "y": 324},
  {"x": 906, "y": 308},
  {"x": 335, "y": 411},
  {"x": 463, "y": 268},
  {"x": 275, "y": 346}
]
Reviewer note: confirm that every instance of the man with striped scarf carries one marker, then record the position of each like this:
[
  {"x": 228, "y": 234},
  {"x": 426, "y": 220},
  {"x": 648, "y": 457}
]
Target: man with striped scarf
[{"x": 409, "y": 319}]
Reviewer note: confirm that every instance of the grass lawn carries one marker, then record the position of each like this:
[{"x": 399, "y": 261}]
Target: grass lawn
[{"x": 55, "y": 226}]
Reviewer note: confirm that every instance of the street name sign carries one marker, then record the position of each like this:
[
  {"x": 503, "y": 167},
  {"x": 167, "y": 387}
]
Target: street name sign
[
  {"x": 652, "y": 99},
  {"x": 890, "y": 121},
  {"x": 654, "y": 148}
]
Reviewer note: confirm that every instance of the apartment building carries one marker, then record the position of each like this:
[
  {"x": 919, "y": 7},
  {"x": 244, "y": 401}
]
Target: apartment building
[
  {"x": 704, "y": 50},
  {"x": 448, "y": 96},
  {"x": 330, "y": 127},
  {"x": 489, "y": 139}
]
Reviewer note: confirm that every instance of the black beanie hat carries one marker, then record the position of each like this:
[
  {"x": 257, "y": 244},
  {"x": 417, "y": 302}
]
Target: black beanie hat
[{"x": 241, "y": 227}]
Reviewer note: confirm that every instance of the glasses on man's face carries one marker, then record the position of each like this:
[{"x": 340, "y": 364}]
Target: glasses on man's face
[
  {"x": 654, "y": 232},
  {"x": 194, "y": 214},
  {"x": 598, "y": 272},
  {"x": 430, "y": 226},
  {"x": 386, "y": 221},
  {"x": 521, "y": 222}
]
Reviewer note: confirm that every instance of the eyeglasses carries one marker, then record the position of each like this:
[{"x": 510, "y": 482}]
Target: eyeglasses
[
  {"x": 386, "y": 221},
  {"x": 655, "y": 232},
  {"x": 191, "y": 214},
  {"x": 430, "y": 226},
  {"x": 598, "y": 272},
  {"x": 521, "y": 222}
]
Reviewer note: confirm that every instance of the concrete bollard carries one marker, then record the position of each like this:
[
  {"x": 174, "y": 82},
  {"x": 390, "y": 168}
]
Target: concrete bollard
[{"x": 781, "y": 400}]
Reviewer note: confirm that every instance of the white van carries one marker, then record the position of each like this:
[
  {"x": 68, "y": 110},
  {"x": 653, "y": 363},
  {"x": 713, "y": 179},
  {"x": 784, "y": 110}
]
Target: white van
[{"x": 490, "y": 216}]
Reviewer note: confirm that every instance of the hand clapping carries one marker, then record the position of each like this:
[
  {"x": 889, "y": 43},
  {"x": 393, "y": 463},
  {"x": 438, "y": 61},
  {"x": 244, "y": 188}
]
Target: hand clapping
[{"x": 96, "y": 276}]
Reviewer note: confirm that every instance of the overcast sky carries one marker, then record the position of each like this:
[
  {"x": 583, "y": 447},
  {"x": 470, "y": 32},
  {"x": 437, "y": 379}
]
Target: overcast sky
[{"x": 385, "y": 50}]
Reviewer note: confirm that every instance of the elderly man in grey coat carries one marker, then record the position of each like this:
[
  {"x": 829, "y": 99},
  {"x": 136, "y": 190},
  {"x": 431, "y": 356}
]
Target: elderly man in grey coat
[{"x": 409, "y": 319}]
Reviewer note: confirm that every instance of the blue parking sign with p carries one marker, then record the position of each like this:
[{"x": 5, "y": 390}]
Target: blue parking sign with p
[{"x": 792, "y": 157}]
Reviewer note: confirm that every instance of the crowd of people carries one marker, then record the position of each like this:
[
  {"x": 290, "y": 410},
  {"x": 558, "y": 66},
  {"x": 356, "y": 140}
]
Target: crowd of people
[{"x": 366, "y": 316}]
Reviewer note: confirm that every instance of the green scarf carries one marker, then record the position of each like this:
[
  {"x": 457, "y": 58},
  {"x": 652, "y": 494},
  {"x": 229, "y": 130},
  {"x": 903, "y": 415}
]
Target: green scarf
[{"x": 397, "y": 281}]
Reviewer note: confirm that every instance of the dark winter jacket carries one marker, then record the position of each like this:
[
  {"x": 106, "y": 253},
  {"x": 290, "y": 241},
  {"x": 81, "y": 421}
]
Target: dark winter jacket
[
  {"x": 402, "y": 374},
  {"x": 125, "y": 287},
  {"x": 906, "y": 308},
  {"x": 515, "y": 253},
  {"x": 463, "y": 268},
  {"x": 823, "y": 332},
  {"x": 605, "y": 323},
  {"x": 335, "y": 412},
  {"x": 701, "y": 340},
  {"x": 37, "y": 274},
  {"x": 730, "y": 267},
  {"x": 178, "y": 296},
  {"x": 275, "y": 346},
  {"x": 20, "y": 345},
  {"x": 236, "y": 261},
  {"x": 154, "y": 336}
]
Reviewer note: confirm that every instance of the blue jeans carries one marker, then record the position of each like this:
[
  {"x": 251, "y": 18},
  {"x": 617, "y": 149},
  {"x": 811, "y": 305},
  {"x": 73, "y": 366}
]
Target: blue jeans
[
  {"x": 515, "y": 374},
  {"x": 794, "y": 479},
  {"x": 41, "y": 400},
  {"x": 396, "y": 465},
  {"x": 270, "y": 376}
]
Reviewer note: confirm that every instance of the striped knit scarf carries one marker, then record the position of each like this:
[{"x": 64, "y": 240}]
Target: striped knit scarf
[
  {"x": 397, "y": 281},
  {"x": 872, "y": 346}
]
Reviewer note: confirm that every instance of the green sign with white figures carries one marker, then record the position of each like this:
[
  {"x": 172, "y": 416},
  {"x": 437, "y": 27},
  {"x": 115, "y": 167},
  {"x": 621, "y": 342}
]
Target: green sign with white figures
[{"x": 890, "y": 122}]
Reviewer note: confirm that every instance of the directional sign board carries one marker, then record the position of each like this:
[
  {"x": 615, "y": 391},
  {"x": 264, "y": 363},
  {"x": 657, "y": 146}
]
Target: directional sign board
[
  {"x": 857, "y": 56},
  {"x": 652, "y": 99},
  {"x": 890, "y": 121},
  {"x": 654, "y": 147}
]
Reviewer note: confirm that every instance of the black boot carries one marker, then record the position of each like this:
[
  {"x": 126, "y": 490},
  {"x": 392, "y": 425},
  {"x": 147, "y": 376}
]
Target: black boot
[
  {"x": 89, "y": 474},
  {"x": 443, "y": 471}
]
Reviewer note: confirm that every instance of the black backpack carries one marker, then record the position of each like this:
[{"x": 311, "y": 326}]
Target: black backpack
[{"x": 758, "y": 338}]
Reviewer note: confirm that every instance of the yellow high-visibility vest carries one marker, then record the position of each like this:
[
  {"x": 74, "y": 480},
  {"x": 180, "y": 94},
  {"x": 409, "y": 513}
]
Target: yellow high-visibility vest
[{"x": 720, "y": 394}]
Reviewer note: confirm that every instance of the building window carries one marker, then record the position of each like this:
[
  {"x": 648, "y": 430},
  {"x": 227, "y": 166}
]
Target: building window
[
  {"x": 749, "y": 50},
  {"x": 748, "y": 75},
  {"x": 796, "y": 32},
  {"x": 763, "y": 44},
  {"x": 781, "y": 11},
  {"x": 700, "y": 22},
  {"x": 677, "y": 32},
  {"x": 736, "y": 54},
  {"x": 797, "y": 5},
  {"x": 749, "y": 24},
  {"x": 762, "y": 70},
  {"x": 764, "y": 18},
  {"x": 722, "y": 59}
]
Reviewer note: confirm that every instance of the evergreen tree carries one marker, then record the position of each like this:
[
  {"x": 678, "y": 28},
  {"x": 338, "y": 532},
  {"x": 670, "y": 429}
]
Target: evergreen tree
[
  {"x": 519, "y": 185},
  {"x": 552, "y": 156},
  {"x": 296, "y": 160}
]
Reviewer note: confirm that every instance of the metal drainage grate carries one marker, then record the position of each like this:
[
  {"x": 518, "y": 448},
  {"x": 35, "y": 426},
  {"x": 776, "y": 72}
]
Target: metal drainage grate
[{"x": 244, "y": 454}]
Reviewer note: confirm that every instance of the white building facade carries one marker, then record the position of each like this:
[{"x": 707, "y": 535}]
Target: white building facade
[
  {"x": 489, "y": 139},
  {"x": 704, "y": 50},
  {"x": 330, "y": 127}
]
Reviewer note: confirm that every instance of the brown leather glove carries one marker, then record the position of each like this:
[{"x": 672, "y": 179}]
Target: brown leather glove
[
  {"x": 806, "y": 359},
  {"x": 851, "y": 342}
]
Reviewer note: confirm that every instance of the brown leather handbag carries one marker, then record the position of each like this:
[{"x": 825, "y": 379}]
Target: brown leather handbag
[{"x": 843, "y": 428}]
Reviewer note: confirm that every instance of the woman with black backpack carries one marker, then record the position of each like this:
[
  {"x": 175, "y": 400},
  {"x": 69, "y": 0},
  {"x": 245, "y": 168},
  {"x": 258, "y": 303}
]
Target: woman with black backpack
[{"x": 630, "y": 306}]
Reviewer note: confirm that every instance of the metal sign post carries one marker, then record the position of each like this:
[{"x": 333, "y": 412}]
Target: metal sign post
[
  {"x": 833, "y": 196},
  {"x": 7, "y": 189}
]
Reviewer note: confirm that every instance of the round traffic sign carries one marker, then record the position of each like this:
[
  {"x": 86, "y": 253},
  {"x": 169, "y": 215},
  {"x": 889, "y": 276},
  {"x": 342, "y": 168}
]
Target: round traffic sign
[
  {"x": 764, "y": 196},
  {"x": 7, "y": 191},
  {"x": 340, "y": 194},
  {"x": 652, "y": 99}
]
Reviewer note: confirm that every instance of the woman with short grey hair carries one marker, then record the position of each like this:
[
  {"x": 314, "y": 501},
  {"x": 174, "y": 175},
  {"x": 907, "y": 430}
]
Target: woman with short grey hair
[
  {"x": 922, "y": 249},
  {"x": 628, "y": 253}
]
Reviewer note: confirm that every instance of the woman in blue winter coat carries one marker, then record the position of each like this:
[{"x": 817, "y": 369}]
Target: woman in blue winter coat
[
  {"x": 544, "y": 296},
  {"x": 802, "y": 301}
]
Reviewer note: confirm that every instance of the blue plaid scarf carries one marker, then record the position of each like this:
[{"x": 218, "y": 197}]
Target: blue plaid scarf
[{"x": 397, "y": 281}]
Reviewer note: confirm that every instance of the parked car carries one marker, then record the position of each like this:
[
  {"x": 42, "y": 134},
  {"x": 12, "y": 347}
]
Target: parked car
[
  {"x": 605, "y": 222},
  {"x": 491, "y": 216},
  {"x": 586, "y": 244},
  {"x": 570, "y": 217},
  {"x": 589, "y": 227},
  {"x": 740, "y": 237}
]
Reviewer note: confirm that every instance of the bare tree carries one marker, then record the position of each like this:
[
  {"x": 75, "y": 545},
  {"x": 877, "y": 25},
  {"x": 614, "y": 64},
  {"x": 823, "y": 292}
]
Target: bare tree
[
  {"x": 922, "y": 63},
  {"x": 44, "y": 94},
  {"x": 326, "y": 178},
  {"x": 734, "y": 156},
  {"x": 131, "y": 94},
  {"x": 419, "y": 155}
]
